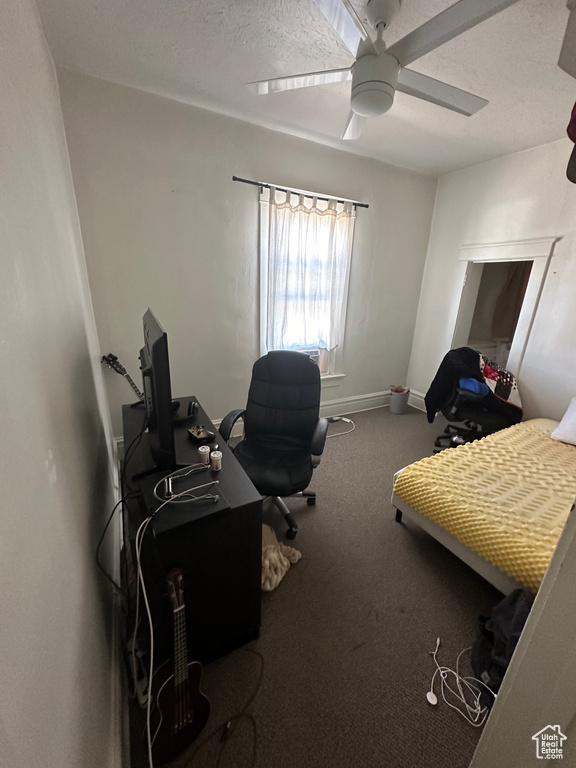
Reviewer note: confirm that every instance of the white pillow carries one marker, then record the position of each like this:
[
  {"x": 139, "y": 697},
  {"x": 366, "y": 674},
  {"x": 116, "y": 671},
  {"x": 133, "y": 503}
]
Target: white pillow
[{"x": 566, "y": 430}]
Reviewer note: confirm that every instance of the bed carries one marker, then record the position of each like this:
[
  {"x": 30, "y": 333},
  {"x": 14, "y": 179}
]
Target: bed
[{"x": 499, "y": 503}]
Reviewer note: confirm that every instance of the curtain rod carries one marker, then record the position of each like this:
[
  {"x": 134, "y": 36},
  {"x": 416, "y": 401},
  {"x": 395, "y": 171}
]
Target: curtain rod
[{"x": 295, "y": 192}]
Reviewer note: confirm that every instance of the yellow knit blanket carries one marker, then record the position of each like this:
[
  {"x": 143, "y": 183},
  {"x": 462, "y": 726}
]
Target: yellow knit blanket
[{"x": 506, "y": 496}]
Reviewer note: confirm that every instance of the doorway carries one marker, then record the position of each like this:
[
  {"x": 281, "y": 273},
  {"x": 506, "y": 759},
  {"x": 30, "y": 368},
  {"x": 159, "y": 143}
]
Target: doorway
[
  {"x": 500, "y": 292},
  {"x": 498, "y": 303}
]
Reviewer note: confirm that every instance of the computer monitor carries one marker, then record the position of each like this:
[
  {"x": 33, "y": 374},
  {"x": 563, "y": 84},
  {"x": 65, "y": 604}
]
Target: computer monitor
[{"x": 160, "y": 407}]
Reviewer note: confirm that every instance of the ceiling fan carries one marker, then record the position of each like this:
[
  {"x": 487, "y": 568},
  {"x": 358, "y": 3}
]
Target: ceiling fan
[{"x": 378, "y": 72}]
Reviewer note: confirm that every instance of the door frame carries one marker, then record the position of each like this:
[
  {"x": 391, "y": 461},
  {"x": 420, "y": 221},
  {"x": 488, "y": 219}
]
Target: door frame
[{"x": 537, "y": 250}]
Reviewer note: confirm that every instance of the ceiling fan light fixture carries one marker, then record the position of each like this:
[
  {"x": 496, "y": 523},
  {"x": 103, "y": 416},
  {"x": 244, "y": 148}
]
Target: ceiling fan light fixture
[
  {"x": 372, "y": 99},
  {"x": 378, "y": 72},
  {"x": 374, "y": 81}
]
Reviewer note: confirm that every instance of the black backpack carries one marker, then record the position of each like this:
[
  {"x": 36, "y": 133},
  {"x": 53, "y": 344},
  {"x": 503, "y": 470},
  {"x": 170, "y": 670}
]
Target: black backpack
[{"x": 497, "y": 638}]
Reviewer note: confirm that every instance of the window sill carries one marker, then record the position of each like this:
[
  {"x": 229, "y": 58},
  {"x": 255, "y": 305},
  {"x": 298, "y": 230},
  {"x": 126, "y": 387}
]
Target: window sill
[{"x": 332, "y": 379}]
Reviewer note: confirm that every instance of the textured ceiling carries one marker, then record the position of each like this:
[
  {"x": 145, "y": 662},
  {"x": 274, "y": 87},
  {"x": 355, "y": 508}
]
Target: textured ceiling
[{"x": 203, "y": 53}]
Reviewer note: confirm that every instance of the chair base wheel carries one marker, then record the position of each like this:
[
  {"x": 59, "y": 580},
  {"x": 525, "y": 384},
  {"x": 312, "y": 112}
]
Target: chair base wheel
[
  {"x": 291, "y": 533},
  {"x": 311, "y": 501}
]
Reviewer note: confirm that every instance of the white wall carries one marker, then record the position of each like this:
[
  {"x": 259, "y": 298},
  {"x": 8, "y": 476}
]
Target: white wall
[
  {"x": 517, "y": 197},
  {"x": 57, "y": 705},
  {"x": 165, "y": 226}
]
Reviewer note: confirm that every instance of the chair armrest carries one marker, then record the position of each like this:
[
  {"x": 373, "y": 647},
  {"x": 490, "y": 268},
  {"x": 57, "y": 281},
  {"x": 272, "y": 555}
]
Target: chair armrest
[
  {"x": 319, "y": 437},
  {"x": 227, "y": 423}
]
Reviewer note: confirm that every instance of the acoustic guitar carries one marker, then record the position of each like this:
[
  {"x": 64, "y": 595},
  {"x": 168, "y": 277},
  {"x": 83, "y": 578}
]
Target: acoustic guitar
[
  {"x": 180, "y": 709},
  {"x": 113, "y": 362}
]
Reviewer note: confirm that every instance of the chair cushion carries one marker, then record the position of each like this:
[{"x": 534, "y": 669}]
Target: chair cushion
[{"x": 276, "y": 467}]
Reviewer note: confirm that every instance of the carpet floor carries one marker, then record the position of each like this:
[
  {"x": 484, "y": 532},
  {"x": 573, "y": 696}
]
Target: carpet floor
[{"x": 339, "y": 675}]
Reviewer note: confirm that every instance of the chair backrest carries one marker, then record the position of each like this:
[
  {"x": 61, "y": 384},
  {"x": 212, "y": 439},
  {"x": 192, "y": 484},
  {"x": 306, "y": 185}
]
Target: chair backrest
[
  {"x": 446, "y": 394},
  {"x": 284, "y": 397}
]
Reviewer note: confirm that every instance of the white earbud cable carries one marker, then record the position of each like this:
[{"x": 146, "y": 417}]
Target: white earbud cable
[{"x": 466, "y": 692}]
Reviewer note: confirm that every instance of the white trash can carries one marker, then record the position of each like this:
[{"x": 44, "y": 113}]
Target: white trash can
[{"x": 398, "y": 399}]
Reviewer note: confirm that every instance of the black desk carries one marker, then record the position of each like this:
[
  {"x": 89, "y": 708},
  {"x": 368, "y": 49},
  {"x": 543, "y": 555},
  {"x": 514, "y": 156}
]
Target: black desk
[{"x": 219, "y": 551}]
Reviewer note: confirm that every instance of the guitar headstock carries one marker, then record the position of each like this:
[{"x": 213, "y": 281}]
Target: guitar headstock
[
  {"x": 113, "y": 362},
  {"x": 175, "y": 580}
]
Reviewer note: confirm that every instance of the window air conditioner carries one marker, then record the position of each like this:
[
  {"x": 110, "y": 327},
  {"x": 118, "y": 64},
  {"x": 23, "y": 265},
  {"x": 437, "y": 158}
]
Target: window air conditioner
[{"x": 314, "y": 354}]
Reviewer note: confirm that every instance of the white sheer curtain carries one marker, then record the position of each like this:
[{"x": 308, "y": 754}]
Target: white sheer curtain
[{"x": 306, "y": 247}]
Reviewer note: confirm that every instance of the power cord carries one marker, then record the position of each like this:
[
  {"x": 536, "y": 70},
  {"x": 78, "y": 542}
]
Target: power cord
[
  {"x": 141, "y": 587},
  {"x": 129, "y": 453},
  {"x": 185, "y": 496},
  {"x": 334, "y": 419},
  {"x": 225, "y": 731},
  {"x": 466, "y": 693},
  {"x": 130, "y": 494},
  {"x": 115, "y": 586}
]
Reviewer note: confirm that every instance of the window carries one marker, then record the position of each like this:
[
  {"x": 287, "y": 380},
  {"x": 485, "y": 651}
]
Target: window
[{"x": 305, "y": 251}]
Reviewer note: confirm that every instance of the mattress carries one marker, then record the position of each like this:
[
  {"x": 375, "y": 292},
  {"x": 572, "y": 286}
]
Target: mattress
[{"x": 507, "y": 497}]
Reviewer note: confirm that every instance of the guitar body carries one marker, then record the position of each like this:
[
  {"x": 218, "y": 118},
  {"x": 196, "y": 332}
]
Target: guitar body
[
  {"x": 178, "y": 716},
  {"x": 179, "y": 708}
]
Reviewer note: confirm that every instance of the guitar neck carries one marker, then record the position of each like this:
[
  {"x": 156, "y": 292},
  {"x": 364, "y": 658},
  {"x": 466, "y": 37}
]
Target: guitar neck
[
  {"x": 113, "y": 362},
  {"x": 176, "y": 593},
  {"x": 134, "y": 387},
  {"x": 180, "y": 647}
]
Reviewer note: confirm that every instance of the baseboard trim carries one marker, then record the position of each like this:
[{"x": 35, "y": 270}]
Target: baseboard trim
[
  {"x": 119, "y": 712},
  {"x": 119, "y": 449},
  {"x": 347, "y": 405},
  {"x": 338, "y": 407},
  {"x": 119, "y": 709},
  {"x": 416, "y": 400}
]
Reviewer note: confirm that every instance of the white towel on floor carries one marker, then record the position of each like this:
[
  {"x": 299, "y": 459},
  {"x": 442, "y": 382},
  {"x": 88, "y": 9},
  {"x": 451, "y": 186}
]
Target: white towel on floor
[{"x": 276, "y": 559}]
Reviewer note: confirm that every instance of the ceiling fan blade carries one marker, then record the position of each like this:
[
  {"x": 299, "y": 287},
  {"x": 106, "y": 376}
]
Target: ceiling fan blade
[
  {"x": 450, "y": 23},
  {"x": 353, "y": 126},
  {"x": 300, "y": 81},
  {"x": 437, "y": 92},
  {"x": 346, "y": 22}
]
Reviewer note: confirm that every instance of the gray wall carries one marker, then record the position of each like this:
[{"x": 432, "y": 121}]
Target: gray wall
[
  {"x": 59, "y": 674},
  {"x": 165, "y": 226},
  {"x": 517, "y": 197}
]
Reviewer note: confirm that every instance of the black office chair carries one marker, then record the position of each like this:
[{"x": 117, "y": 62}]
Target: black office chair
[
  {"x": 478, "y": 421},
  {"x": 460, "y": 393},
  {"x": 283, "y": 434}
]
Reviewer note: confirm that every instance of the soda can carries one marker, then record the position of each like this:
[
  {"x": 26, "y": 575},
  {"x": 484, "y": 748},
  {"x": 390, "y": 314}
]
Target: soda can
[
  {"x": 216, "y": 460},
  {"x": 204, "y": 454}
]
